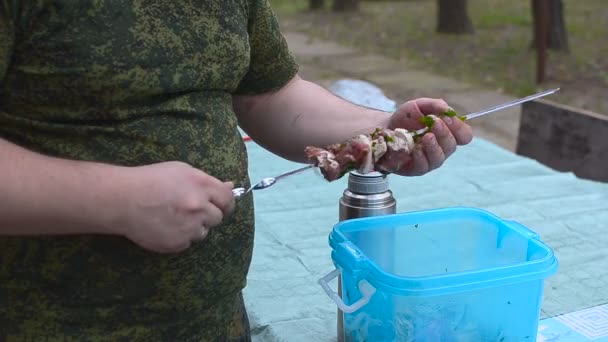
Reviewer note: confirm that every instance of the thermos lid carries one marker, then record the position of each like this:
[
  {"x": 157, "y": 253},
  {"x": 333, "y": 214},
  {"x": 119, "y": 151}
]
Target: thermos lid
[{"x": 367, "y": 184}]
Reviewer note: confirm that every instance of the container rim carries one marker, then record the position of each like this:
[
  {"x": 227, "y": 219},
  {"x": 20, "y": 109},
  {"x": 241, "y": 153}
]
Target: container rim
[{"x": 348, "y": 257}]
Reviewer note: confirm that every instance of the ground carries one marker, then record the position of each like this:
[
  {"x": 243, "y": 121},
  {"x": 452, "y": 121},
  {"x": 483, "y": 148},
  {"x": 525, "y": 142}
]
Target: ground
[{"x": 497, "y": 57}]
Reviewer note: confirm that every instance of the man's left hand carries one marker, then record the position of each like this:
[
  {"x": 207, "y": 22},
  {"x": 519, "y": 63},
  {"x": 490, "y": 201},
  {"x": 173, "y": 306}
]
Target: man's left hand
[{"x": 436, "y": 146}]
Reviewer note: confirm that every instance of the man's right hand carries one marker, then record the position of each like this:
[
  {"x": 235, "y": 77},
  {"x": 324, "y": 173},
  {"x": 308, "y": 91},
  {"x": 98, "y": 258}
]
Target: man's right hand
[{"x": 172, "y": 204}]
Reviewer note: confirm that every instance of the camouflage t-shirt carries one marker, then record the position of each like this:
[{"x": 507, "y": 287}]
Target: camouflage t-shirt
[{"x": 133, "y": 83}]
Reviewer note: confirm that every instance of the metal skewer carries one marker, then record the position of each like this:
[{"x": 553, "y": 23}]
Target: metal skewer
[
  {"x": 269, "y": 181},
  {"x": 501, "y": 106}
]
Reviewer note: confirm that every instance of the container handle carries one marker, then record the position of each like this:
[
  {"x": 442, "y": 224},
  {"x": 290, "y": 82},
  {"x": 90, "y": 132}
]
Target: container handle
[
  {"x": 523, "y": 229},
  {"x": 366, "y": 289}
]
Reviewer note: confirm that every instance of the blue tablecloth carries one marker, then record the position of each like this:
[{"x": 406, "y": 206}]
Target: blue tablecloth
[{"x": 295, "y": 216}]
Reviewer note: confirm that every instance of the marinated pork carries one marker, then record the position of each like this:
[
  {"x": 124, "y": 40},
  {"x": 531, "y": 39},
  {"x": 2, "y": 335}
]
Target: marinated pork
[{"x": 384, "y": 150}]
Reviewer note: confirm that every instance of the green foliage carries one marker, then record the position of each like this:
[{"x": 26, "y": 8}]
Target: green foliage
[
  {"x": 497, "y": 56},
  {"x": 493, "y": 20}
]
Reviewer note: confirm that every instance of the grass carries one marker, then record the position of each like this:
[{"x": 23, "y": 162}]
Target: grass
[{"x": 497, "y": 56}]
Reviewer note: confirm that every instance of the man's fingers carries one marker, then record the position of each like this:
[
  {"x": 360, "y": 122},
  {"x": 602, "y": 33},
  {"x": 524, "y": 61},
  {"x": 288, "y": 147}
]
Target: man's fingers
[
  {"x": 212, "y": 216},
  {"x": 177, "y": 248},
  {"x": 431, "y": 106},
  {"x": 409, "y": 113},
  {"x": 444, "y": 137},
  {"x": 433, "y": 151},
  {"x": 221, "y": 196},
  {"x": 231, "y": 202},
  {"x": 442, "y": 140},
  {"x": 201, "y": 230},
  {"x": 462, "y": 132},
  {"x": 419, "y": 164},
  {"x": 230, "y": 186},
  {"x": 203, "y": 233}
]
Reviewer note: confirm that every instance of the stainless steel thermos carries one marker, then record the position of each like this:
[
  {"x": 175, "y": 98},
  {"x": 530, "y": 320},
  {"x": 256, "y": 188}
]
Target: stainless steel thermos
[{"x": 366, "y": 195}]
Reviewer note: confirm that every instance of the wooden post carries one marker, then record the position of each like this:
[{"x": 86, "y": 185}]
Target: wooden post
[{"x": 540, "y": 11}]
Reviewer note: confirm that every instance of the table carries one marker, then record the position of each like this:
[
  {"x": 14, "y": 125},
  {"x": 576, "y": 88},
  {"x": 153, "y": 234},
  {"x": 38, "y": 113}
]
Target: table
[{"x": 294, "y": 218}]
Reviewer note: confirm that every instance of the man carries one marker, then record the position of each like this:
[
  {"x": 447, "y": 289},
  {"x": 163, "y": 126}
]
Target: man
[{"x": 119, "y": 149}]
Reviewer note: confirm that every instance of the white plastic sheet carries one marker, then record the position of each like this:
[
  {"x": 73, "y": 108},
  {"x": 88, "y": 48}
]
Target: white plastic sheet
[{"x": 363, "y": 93}]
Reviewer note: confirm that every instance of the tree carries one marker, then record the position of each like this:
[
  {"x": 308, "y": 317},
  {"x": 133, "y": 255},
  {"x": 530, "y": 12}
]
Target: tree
[
  {"x": 453, "y": 17},
  {"x": 549, "y": 32},
  {"x": 316, "y": 4},
  {"x": 555, "y": 31},
  {"x": 345, "y": 5},
  {"x": 558, "y": 39}
]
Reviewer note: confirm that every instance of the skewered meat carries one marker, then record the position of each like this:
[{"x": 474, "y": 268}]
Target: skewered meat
[{"x": 384, "y": 150}]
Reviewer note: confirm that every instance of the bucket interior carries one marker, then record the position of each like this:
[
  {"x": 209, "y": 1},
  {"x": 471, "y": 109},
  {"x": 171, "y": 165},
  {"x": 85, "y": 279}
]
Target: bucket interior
[{"x": 421, "y": 245}]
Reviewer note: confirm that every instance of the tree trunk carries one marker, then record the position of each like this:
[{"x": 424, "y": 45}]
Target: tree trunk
[
  {"x": 316, "y": 4},
  {"x": 453, "y": 17},
  {"x": 557, "y": 37},
  {"x": 345, "y": 5},
  {"x": 540, "y": 10}
]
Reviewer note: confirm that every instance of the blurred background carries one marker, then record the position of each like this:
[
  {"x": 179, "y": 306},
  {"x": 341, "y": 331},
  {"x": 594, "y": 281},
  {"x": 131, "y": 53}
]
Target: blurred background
[{"x": 512, "y": 46}]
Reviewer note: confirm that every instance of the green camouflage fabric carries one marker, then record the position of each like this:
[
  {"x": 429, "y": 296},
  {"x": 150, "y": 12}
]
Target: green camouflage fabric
[{"x": 132, "y": 83}]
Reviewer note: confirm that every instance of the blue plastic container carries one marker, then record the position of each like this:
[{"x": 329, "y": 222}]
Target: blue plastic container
[{"x": 454, "y": 274}]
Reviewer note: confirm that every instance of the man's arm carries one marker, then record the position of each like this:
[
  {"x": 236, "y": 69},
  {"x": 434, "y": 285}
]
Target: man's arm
[
  {"x": 301, "y": 114},
  {"x": 40, "y": 195}
]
